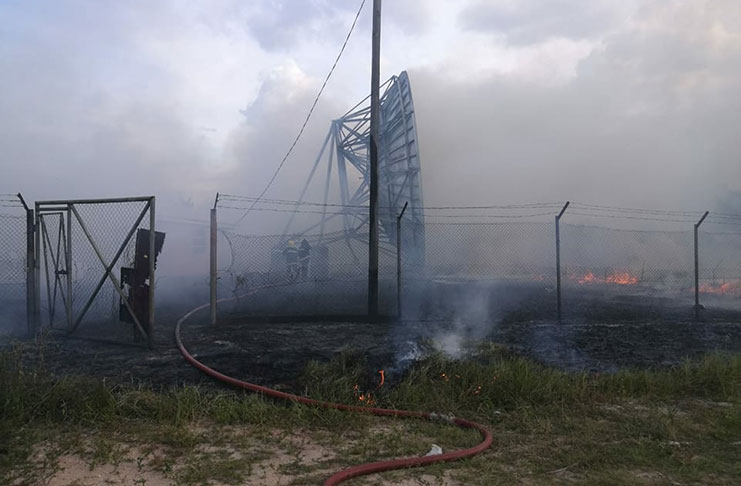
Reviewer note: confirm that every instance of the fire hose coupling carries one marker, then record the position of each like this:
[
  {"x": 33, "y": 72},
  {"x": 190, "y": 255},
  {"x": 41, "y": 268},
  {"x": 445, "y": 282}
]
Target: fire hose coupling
[{"x": 442, "y": 417}]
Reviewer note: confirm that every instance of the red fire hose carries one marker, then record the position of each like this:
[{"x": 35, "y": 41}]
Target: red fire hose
[{"x": 363, "y": 469}]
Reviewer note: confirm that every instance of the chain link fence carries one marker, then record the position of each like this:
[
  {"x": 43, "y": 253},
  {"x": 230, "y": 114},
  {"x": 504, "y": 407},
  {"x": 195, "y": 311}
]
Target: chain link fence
[
  {"x": 628, "y": 264},
  {"x": 619, "y": 259},
  {"x": 12, "y": 264},
  {"x": 301, "y": 275},
  {"x": 720, "y": 263}
]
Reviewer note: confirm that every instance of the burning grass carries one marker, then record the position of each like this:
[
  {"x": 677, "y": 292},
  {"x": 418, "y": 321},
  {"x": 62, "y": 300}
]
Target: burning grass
[
  {"x": 617, "y": 278},
  {"x": 680, "y": 424}
]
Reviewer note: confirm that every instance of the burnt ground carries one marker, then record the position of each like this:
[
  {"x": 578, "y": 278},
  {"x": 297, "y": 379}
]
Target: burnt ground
[{"x": 601, "y": 331}]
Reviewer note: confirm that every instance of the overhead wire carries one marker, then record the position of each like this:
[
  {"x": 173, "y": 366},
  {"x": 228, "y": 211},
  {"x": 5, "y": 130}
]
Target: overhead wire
[{"x": 308, "y": 115}]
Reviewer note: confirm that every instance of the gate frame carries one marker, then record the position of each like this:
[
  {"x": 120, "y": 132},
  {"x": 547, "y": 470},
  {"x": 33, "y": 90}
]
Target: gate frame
[
  {"x": 68, "y": 208},
  {"x": 56, "y": 259}
]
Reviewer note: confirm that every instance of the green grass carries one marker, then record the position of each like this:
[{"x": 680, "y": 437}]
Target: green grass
[{"x": 679, "y": 424}]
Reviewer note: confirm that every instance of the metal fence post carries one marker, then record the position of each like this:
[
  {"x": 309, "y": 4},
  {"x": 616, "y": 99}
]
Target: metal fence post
[
  {"x": 36, "y": 235},
  {"x": 30, "y": 267},
  {"x": 212, "y": 268},
  {"x": 398, "y": 260},
  {"x": 68, "y": 268},
  {"x": 152, "y": 269},
  {"x": 697, "y": 267},
  {"x": 558, "y": 260}
]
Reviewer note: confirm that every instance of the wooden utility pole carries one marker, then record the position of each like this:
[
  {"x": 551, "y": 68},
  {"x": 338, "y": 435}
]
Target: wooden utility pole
[{"x": 374, "y": 139}]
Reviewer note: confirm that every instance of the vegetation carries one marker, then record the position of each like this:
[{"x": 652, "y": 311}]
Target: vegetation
[{"x": 675, "y": 425}]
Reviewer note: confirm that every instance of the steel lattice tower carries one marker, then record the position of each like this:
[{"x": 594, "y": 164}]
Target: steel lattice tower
[{"x": 399, "y": 171}]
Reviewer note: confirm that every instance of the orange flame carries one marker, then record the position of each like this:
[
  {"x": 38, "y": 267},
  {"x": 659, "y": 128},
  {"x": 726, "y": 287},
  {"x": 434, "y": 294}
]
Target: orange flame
[
  {"x": 727, "y": 288},
  {"x": 622, "y": 278},
  {"x": 588, "y": 278},
  {"x": 383, "y": 378},
  {"x": 618, "y": 278},
  {"x": 365, "y": 398}
]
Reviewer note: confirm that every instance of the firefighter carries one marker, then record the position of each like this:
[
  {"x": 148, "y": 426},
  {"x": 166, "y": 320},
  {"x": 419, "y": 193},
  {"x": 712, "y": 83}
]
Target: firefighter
[
  {"x": 304, "y": 256},
  {"x": 291, "y": 254}
]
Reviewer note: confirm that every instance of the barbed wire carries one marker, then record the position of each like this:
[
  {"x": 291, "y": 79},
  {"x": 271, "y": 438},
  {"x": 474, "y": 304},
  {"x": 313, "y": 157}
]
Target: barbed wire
[
  {"x": 724, "y": 223},
  {"x": 487, "y": 223},
  {"x": 583, "y": 208},
  {"x": 433, "y": 215},
  {"x": 597, "y": 207},
  {"x": 624, "y": 230},
  {"x": 311, "y": 111},
  {"x": 641, "y": 218},
  {"x": 288, "y": 202}
]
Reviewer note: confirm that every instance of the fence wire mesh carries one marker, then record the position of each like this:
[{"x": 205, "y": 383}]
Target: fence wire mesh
[
  {"x": 308, "y": 274},
  {"x": 12, "y": 264},
  {"x": 483, "y": 251},
  {"x": 619, "y": 259},
  {"x": 720, "y": 262}
]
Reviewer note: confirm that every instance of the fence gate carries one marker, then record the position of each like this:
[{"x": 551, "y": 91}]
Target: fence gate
[{"x": 96, "y": 265}]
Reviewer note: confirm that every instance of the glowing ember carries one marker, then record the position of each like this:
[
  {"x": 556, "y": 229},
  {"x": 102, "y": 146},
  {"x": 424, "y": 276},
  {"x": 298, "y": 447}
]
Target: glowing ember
[
  {"x": 618, "y": 278},
  {"x": 622, "y": 278},
  {"x": 588, "y": 278}
]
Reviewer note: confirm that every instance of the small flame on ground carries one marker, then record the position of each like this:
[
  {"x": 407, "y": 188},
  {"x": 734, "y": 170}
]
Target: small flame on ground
[
  {"x": 619, "y": 278},
  {"x": 365, "y": 398},
  {"x": 727, "y": 288},
  {"x": 383, "y": 378}
]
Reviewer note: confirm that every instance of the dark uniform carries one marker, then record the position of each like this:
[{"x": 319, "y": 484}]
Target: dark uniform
[
  {"x": 291, "y": 254},
  {"x": 304, "y": 256}
]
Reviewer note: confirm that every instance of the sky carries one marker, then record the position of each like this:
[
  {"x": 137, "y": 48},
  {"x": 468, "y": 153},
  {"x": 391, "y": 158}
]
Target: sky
[{"x": 619, "y": 102}]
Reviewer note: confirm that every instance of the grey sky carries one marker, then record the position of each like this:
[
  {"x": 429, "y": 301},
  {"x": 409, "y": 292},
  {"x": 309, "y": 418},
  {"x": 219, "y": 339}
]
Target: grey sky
[{"x": 632, "y": 103}]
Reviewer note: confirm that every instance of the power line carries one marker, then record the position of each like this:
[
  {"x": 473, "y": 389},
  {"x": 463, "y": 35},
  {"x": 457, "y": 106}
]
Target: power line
[{"x": 308, "y": 116}]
